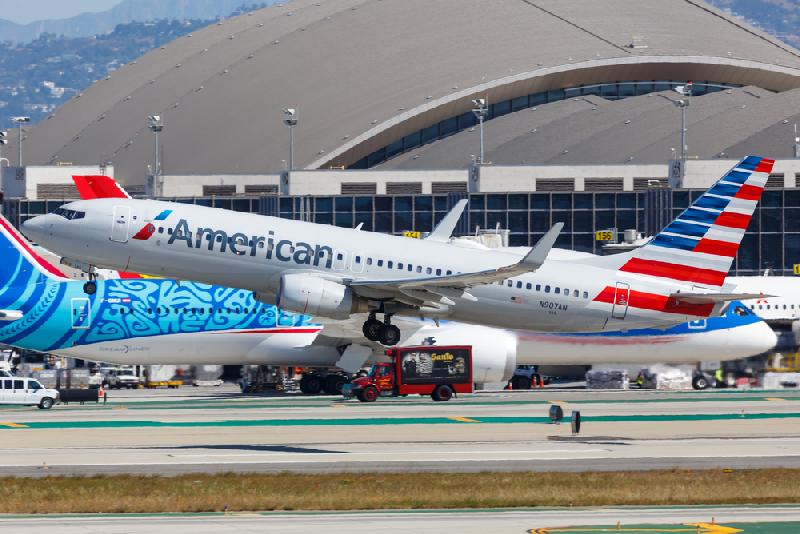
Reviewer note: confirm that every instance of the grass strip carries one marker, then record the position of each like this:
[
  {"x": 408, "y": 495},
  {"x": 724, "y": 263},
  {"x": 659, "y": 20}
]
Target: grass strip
[{"x": 326, "y": 492}]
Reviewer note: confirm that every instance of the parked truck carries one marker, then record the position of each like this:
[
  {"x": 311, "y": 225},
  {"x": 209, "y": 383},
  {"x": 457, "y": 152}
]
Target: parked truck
[{"x": 438, "y": 371}]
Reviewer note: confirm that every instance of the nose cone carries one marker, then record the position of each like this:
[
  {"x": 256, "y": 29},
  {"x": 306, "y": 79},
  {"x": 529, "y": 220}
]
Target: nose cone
[
  {"x": 38, "y": 229},
  {"x": 765, "y": 339}
]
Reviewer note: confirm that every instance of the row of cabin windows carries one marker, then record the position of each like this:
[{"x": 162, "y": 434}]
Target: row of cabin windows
[
  {"x": 546, "y": 288},
  {"x": 769, "y": 306},
  {"x": 387, "y": 264}
]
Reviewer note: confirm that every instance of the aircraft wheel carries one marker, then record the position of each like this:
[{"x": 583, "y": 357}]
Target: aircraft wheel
[
  {"x": 372, "y": 329},
  {"x": 90, "y": 288},
  {"x": 390, "y": 335},
  {"x": 333, "y": 384},
  {"x": 313, "y": 384}
]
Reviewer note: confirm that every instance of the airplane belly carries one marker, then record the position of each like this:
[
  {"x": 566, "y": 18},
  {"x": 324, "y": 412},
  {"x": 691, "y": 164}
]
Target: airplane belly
[
  {"x": 727, "y": 344},
  {"x": 174, "y": 349}
]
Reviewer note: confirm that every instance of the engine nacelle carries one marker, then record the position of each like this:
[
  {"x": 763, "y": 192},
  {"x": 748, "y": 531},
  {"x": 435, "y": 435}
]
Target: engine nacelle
[
  {"x": 494, "y": 351},
  {"x": 312, "y": 295}
]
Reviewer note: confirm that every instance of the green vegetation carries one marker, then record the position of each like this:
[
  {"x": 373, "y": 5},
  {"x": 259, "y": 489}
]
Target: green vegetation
[{"x": 209, "y": 493}]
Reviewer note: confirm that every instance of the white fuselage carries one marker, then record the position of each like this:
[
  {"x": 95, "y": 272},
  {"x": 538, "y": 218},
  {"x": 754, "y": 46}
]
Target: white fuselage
[{"x": 253, "y": 252}]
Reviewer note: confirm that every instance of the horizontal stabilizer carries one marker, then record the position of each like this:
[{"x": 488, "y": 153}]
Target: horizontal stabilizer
[
  {"x": 10, "y": 315},
  {"x": 716, "y": 298}
]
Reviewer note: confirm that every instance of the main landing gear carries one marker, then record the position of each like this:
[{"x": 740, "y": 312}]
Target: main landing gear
[{"x": 383, "y": 332}]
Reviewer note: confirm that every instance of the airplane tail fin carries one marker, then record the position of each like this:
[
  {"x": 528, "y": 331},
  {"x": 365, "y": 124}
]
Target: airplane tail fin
[
  {"x": 21, "y": 264},
  {"x": 92, "y": 187},
  {"x": 699, "y": 246}
]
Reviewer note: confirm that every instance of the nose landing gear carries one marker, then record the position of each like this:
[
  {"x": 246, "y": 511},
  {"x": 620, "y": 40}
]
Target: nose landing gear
[
  {"x": 383, "y": 332},
  {"x": 90, "y": 287}
]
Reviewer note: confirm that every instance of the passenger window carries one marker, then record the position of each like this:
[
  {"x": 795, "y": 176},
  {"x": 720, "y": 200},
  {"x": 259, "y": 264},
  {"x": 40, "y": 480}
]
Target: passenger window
[
  {"x": 566, "y": 292},
  {"x": 419, "y": 268},
  {"x": 410, "y": 267},
  {"x": 576, "y": 293},
  {"x": 449, "y": 273},
  {"x": 557, "y": 291},
  {"x": 169, "y": 231},
  {"x": 538, "y": 287},
  {"x": 547, "y": 289},
  {"x": 34, "y": 385},
  {"x": 380, "y": 263},
  {"x": 160, "y": 229},
  {"x": 369, "y": 261},
  {"x": 519, "y": 285},
  {"x": 510, "y": 283},
  {"x": 19, "y": 384},
  {"x": 438, "y": 272},
  {"x": 358, "y": 259},
  {"x": 586, "y": 294},
  {"x": 389, "y": 264},
  {"x": 528, "y": 286},
  {"x": 340, "y": 256},
  {"x": 400, "y": 265},
  {"x": 429, "y": 271}
]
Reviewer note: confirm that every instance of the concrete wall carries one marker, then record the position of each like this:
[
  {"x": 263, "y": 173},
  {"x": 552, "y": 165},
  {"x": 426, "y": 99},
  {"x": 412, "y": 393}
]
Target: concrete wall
[
  {"x": 329, "y": 182},
  {"x": 23, "y": 182},
  {"x": 524, "y": 178},
  {"x": 191, "y": 185}
]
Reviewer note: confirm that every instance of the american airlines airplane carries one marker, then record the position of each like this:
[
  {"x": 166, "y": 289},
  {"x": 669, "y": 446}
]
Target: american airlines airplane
[
  {"x": 334, "y": 272},
  {"x": 149, "y": 321}
]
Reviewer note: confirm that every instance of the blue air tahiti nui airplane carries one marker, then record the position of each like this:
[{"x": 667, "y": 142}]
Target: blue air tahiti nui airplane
[
  {"x": 150, "y": 321},
  {"x": 333, "y": 272}
]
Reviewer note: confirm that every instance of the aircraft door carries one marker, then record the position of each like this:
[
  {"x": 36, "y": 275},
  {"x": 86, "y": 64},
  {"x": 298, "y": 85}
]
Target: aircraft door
[
  {"x": 622, "y": 294},
  {"x": 340, "y": 260},
  {"x": 81, "y": 314},
  {"x": 357, "y": 262},
  {"x": 121, "y": 223}
]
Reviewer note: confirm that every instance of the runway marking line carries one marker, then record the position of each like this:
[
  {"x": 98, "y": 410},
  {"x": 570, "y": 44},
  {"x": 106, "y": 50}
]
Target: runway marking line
[
  {"x": 774, "y": 399},
  {"x": 13, "y": 425},
  {"x": 464, "y": 419}
]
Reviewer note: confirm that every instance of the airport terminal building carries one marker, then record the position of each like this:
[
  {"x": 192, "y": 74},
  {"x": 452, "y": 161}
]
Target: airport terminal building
[{"x": 580, "y": 119}]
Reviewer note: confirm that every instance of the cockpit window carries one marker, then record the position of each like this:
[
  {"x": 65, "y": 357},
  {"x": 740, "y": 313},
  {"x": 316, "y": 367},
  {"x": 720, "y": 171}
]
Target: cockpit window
[
  {"x": 70, "y": 215},
  {"x": 741, "y": 311}
]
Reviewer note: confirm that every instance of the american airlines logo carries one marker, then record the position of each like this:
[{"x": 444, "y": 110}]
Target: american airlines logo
[{"x": 241, "y": 244}]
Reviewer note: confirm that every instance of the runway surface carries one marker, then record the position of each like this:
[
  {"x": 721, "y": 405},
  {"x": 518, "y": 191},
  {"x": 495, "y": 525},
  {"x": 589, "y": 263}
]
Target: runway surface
[
  {"x": 211, "y": 431},
  {"x": 692, "y": 520}
]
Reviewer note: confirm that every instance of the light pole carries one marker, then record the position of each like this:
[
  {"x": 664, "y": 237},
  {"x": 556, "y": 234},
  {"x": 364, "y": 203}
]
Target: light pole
[
  {"x": 156, "y": 125},
  {"x": 20, "y": 121},
  {"x": 4, "y": 142},
  {"x": 290, "y": 120},
  {"x": 683, "y": 104},
  {"x": 480, "y": 110}
]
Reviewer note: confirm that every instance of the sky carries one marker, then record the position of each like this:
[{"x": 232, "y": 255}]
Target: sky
[{"x": 24, "y": 11}]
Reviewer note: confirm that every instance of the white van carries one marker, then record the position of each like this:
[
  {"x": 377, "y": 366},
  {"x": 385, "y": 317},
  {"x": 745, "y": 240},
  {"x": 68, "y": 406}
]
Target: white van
[{"x": 26, "y": 391}]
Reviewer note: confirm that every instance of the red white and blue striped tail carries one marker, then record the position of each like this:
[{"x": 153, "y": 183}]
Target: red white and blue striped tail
[{"x": 700, "y": 245}]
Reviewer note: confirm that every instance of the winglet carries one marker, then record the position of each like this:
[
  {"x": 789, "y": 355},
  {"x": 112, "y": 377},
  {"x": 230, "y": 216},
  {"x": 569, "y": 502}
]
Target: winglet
[
  {"x": 444, "y": 230},
  {"x": 92, "y": 187},
  {"x": 538, "y": 254}
]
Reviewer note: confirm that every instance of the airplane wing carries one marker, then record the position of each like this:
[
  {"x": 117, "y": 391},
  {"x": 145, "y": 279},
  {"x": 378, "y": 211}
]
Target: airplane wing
[
  {"x": 449, "y": 286},
  {"x": 716, "y": 298}
]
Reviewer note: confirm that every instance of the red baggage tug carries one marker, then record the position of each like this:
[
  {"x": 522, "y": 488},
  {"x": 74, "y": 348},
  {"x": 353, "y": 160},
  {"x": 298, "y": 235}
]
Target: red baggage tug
[{"x": 438, "y": 371}]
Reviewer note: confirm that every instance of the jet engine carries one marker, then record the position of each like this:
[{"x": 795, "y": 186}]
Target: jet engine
[
  {"x": 312, "y": 295},
  {"x": 494, "y": 351}
]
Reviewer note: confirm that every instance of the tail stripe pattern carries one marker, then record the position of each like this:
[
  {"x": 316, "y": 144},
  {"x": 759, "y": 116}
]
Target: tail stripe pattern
[
  {"x": 699, "y": 246},
  {"x": 16, "y": 249}
]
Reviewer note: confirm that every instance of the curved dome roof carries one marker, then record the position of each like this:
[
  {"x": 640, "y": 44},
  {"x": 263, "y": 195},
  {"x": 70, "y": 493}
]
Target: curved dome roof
[{"x": 365, "y": 73}]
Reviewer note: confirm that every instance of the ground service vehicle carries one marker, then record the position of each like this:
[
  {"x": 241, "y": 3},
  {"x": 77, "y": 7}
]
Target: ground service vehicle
[
  {"x": 438, "y": 371},
  {"x": 26, "y": 391}
]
